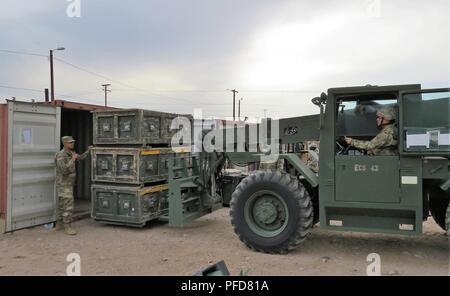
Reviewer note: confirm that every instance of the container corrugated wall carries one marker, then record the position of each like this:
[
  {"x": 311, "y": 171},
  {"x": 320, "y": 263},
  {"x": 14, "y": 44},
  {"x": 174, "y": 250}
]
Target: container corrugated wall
[
  {"x": 3, "y": 158},
  {"x": 33, "y": 140}
]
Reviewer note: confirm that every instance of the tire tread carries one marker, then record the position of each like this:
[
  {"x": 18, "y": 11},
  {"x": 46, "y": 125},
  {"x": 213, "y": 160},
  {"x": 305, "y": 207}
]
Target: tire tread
[{"x": 305, "y": 220}]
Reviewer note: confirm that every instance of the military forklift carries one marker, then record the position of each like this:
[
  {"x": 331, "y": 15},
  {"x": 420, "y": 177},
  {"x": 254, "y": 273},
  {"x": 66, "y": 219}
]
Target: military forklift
[{"x": 273, "y": 211}]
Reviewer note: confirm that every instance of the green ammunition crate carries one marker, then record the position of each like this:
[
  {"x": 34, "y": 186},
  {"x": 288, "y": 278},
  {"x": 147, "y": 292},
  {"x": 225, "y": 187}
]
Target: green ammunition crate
[
  {"x": 131, "y": 165},
  {"x": 131, "y": 206},
  {"x": 134, "y": 127}
]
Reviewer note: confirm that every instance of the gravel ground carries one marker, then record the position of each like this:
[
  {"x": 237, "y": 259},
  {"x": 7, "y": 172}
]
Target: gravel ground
[{"x": 160, "y": 250}]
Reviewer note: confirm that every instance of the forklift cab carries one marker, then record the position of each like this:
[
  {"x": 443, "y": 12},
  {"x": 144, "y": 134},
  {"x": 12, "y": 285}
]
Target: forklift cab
[
  {"x": 374, "y": 193},
  {"x": 356, "y": 118}
]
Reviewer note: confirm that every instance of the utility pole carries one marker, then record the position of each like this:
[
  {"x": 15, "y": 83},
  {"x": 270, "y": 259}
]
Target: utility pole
[
  {"x": 106, "y": 90},
  {"x": 234, "y": 103},
  {"x": 239, "y": 109},
  {"x": 52, "y": 78}
]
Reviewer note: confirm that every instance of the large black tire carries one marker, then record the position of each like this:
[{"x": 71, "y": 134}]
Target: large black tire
[
  {"x": 447, "y": 221},
  {"x": 438, "y": 205},
  {"x": 294, "y": 199},
  {"x": 438, "y": 209}
]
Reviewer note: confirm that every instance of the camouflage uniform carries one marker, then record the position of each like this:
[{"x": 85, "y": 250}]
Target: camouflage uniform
[
  {"x": 276, "y": 165},
  {"x": 385, "y": 143},
  {"x": 313, "y": 161},
  {"x": 65, "y": 181}
]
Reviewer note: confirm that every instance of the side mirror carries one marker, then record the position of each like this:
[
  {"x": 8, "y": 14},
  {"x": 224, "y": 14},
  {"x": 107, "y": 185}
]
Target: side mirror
[
  {"x": 316, "y": 101},
  {"x": 323, "y": 98},
  {"x": 320, "y": 101}
]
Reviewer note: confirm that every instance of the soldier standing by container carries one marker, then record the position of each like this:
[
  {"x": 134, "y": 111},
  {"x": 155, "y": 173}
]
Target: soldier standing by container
[{"x": 65, "y": 181}]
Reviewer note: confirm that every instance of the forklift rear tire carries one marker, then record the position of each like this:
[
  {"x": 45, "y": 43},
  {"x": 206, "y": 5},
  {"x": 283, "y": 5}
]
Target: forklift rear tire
[
  {"x": 438, "y": 209},
  {"x": 438, "y": 205},
  {"x": 271, "y": 212},
  {"x": 447, "y": 220}
]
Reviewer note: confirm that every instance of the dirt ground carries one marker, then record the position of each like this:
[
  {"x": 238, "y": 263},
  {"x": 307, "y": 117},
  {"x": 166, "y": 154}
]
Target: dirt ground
[{"x": 160, "y": 250}]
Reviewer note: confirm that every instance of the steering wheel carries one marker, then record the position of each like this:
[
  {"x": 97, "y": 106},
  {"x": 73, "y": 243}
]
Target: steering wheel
[{"x": 342, "y": 146}]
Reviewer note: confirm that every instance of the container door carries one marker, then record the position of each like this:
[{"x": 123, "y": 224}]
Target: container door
[{"x": 33, "y": 140}]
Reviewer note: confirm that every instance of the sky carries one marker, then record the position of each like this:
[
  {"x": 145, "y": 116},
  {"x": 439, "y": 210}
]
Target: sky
[{"x": 178, "y": 55}]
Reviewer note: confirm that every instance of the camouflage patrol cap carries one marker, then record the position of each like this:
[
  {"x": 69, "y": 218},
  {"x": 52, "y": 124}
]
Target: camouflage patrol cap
[
  {"x": 387, "y": 113},
  {"x": 67, "y": 139}
]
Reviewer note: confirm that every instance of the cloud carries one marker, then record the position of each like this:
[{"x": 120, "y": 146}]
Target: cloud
[{"x": 179, "y": 55}]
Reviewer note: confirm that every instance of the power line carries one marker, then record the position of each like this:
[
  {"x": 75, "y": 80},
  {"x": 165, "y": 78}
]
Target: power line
[
  {"x": 241, "y": 91},
  {"x": 96, "y": 92},
  {"x": 87, "y": 93},
  {"x": 40, "y": 91},
  {"x": 23, "y": 53},
  {"x": 214, "y": 104},
  {"x": 152, "y": 92},
  {"x": 281, "y": 91},
  {"x": 21, "y": 88},
  {"x": 78, "y": 96},
  {"x": 119, "y": 82},
  {"x": 89, "y": 72}
]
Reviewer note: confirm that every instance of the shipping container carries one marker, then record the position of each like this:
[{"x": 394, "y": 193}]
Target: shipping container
[
  {"x": 30, "y": 139},
  {"x": 134, "y": 127},
  {"x": 30, "y": 136},
  {"x": 129, "y": 205},
  {"x": 3, "y": 164}
]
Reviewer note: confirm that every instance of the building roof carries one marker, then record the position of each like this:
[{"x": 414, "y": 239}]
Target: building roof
[{"x": 79, "y": 106}]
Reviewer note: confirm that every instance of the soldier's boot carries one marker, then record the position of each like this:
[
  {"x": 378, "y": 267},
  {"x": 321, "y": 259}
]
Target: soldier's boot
[{"x": 69, "y": 230}]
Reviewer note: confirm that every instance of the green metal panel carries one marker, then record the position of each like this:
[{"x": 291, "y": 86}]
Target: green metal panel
[
  {"x": 369, "y": 219},
  {"x": 358, "y": 207},
  {"x": 435, "y": 167},
  {"x": 370, "y": 89},
  {"x": 326, "y": 160},
  {"x": 134, "y": 127},
  {"x": 126, "y": 205},
  {"x": 191, "y": 187},
  {"x": 411, "y": 191},
  {"x": 367, "y": 179},
  {"x": 299, "y": 129},
  {"x": 302, "y": 168},
  {"x": 391, "y": 203},
  {"x": 131, "y": 165}
]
